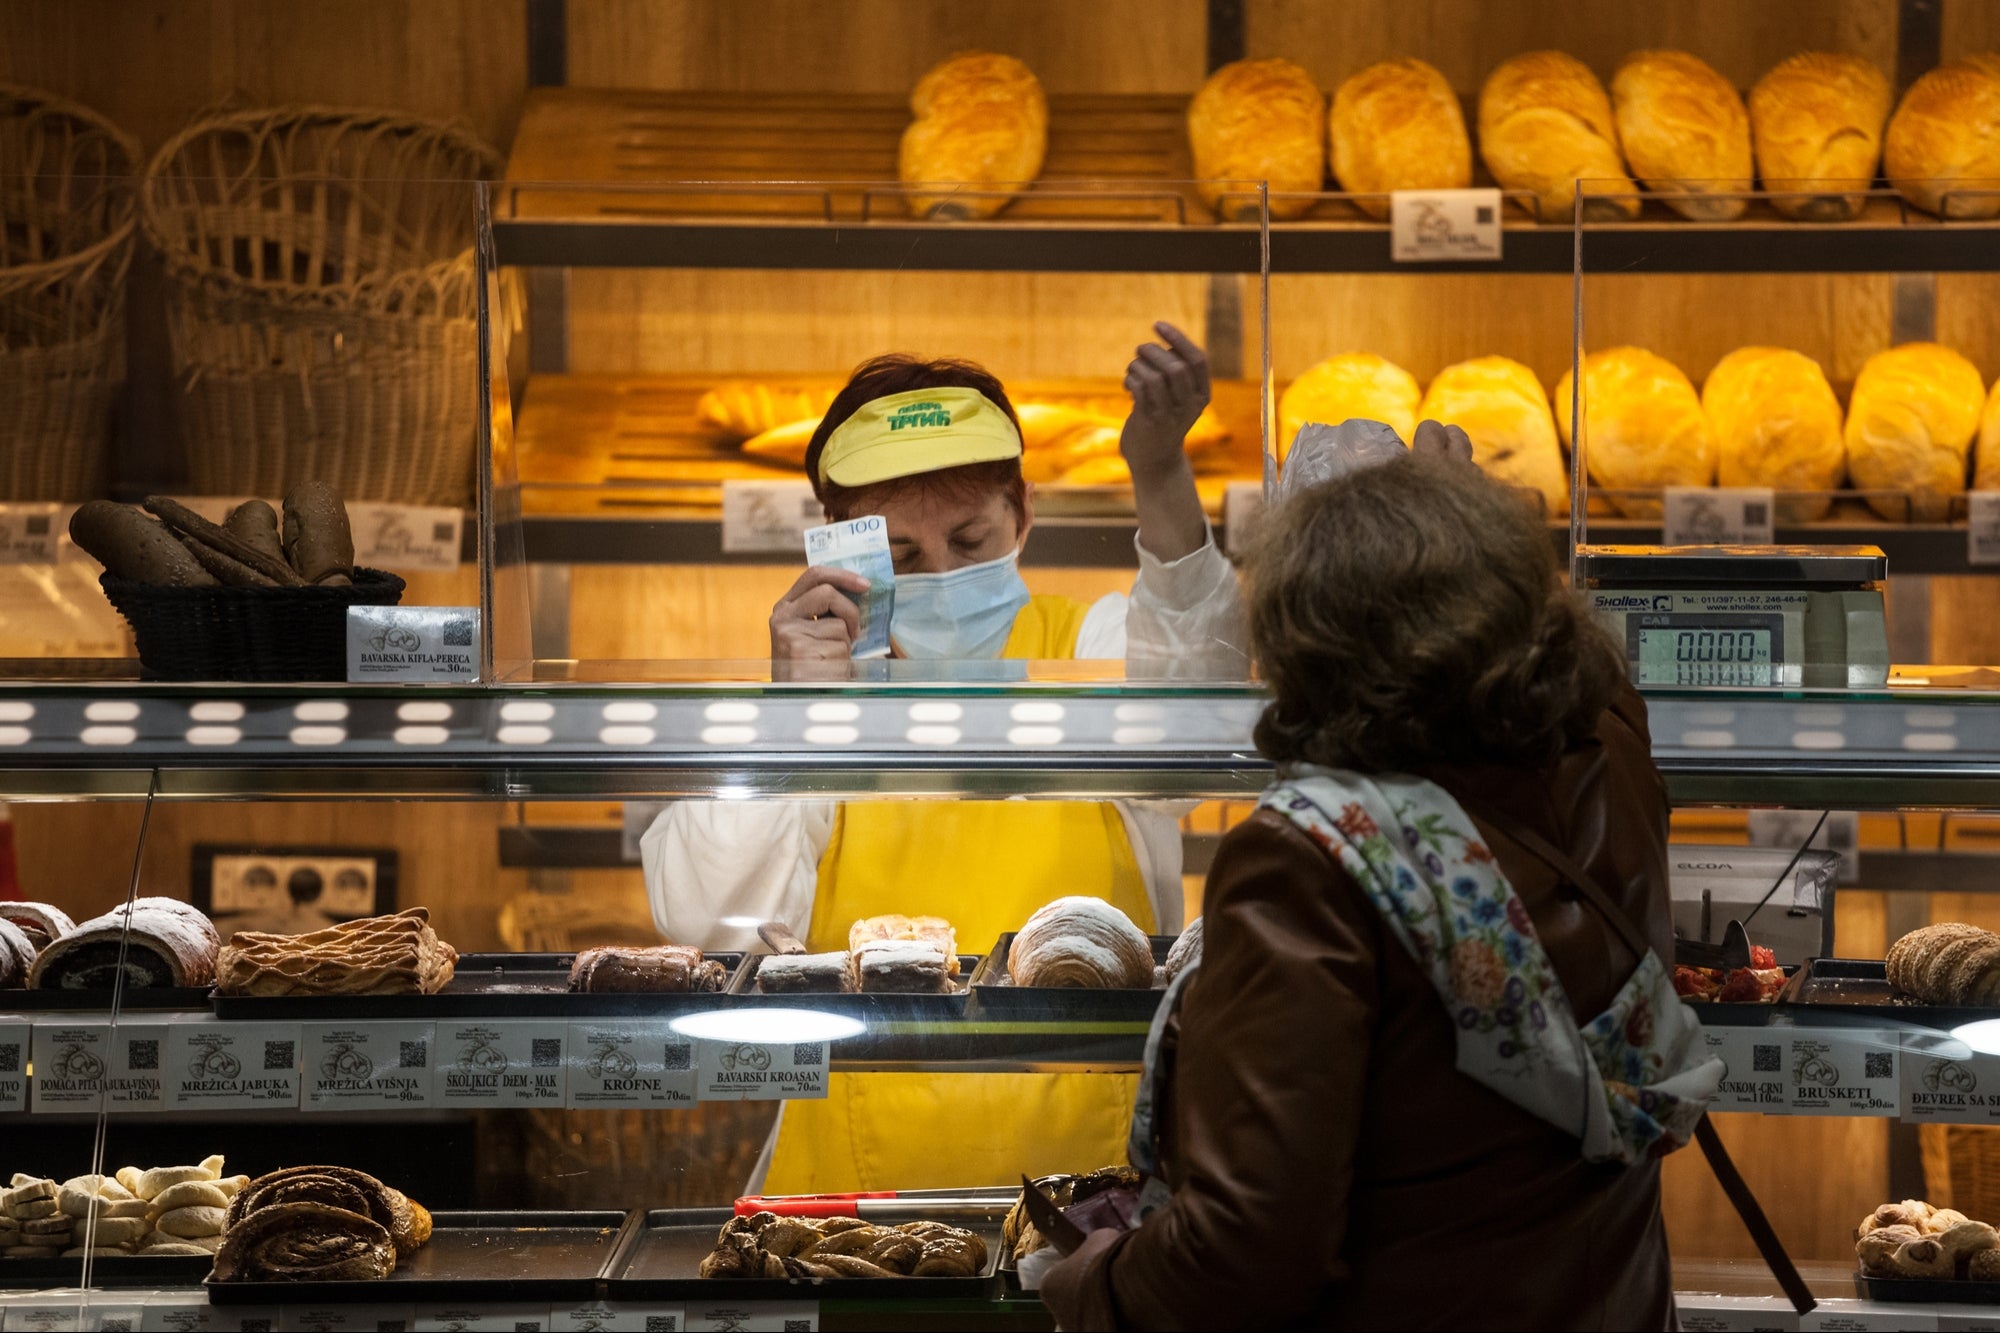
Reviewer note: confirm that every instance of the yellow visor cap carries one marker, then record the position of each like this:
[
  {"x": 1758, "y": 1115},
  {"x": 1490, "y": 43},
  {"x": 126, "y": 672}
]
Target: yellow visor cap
[{"x": 921, "y": 430}]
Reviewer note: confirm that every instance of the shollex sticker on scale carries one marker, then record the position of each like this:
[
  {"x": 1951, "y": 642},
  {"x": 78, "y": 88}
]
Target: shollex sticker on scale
[
  {"x": 15, "y": 1037},
  {"x": 368, "y": 1066},
  {"x": 248, "y": 1066},
  {"x": 1843, "y": 1071},
  {"x": 630, "y": 1062},
  {"x": 1753, "y": 1077},
  {"x": 76, "y": 1064},
  {"x": 494, "y": 1063},
  {"x": 747, "y": 1071}
]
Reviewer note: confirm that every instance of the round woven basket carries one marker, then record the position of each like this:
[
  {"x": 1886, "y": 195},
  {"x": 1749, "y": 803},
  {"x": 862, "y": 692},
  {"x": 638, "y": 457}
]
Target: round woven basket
[
  {"x": 321, "y": 300},
  {"x": 66, "y": 216},
  {"x": 225, "y": 633}
]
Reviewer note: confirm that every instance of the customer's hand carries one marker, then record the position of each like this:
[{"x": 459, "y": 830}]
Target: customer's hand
[
  {"x": 815, "y": 621},
  {"x": 1169, "y": 388},
  {"x": 1062, "y": 1285},
  {"x": 1434, "y": 437}
]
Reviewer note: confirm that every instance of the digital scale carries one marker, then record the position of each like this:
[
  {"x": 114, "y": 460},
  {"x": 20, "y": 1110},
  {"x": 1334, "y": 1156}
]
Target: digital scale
[{"x": 1743, "y": 616}]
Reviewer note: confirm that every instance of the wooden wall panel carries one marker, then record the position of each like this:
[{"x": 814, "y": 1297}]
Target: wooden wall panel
[
  {"x": 148, "y": 66},
  {"x": 1970, "y": 26},
  {"x": 1466, "y": 39},
  {"x": 882, "y": 46}
]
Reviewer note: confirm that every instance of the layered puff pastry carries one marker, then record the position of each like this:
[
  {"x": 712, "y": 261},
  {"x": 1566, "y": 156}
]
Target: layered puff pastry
[
  {"x": 1777, "y": 424},
  {"x": 1503, "y": 409},
  {"x": 1644, "y": 426},
  {"x": 1910, "y": 424},
  {"x": 1945, "y": 137},
  {"x": 982, "y": 123},
  {"x": 1354, "y": 384},
  {"x": 1258, "y": 120},
  {"x": 1545, "y": 124},
  {"x": 1081, "y": 942},
  {"x": 1685, "y": 132},
  {"x": 1397, "y": 126},
  {"x": 1816, "y": 124}
]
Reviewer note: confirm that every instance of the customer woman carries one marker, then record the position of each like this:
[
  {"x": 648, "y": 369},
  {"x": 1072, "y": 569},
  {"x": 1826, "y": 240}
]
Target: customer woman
[{"x": 1380, "y": 1110}]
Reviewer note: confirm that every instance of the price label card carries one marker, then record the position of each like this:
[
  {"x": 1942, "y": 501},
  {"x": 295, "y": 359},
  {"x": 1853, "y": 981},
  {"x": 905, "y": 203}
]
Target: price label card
[
  {"x": 34, "y": 533},
  {"x": 733, "y": 1071},
  {"x": 500, "y": 1063},
  {"x": 1845, "y": 1314},
  {"x": 479, "y": 1318},
  {"x": 15, "y": 1037},
  {"x": 1982, "y": 528},
  {"x": 249, "y": 1066},
  {"x": 636, "y": 1062},
  {"x": 367, "y": 1066},
  {"x": 406, "y": 537},
  {"x": 1733, "y": 1314},
  {"x": 1432, "y": 226},
  {"x": 604, "y": 1315},
  {"x": 1718, "y": 516},
  {"x": 768, "y": 516},
  {"x": 1753, "y": 1077},
  {"x": 1843, "y": 1071},
  {"x": 346, "y": 1318},
  {"x": 1242, "y": 510},
  {"x": 177, "y": 1311},
  {"x": 755, "y": 1316},
  {"x": 77, "y": 1064},
  {"x": 423, "y": 644}
]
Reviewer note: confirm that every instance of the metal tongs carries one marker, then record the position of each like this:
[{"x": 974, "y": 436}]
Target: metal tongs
[{"x": 1732, "y": 953}]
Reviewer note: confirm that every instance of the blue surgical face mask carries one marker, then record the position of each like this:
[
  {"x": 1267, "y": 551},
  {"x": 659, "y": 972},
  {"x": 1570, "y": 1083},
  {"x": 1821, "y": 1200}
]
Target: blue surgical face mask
[{"x": 965, "y": 614}]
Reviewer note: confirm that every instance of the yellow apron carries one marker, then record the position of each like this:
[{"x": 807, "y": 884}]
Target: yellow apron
[{"x": 985, "y": 865}]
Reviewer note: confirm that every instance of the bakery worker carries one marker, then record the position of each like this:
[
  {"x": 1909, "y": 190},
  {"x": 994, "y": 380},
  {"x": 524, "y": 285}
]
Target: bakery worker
[{"x": 958, "y": 511}]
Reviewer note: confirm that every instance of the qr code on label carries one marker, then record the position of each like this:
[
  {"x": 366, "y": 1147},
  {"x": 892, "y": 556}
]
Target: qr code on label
[
  {"x": 679, "y": 1059},
  {"x": 413, "y": 1054},
  {"x": 38, "y": 525},
  {"x": 142, "y": 1054},
  {"x": 1879, "y": 1064},
  {"x": 458, "y": 633},
  {"x": 663, "y": 1323},
  {"x": 1766, "y": 1060},
  {"x": 808, "y": 1054},
  {"x": 546, "y": 1053},
  {"x": 1756, "y": 514},
  {"x": 441, "y": 532},
  {"x": 10, "y": 1058},
  {"x": 278, "y": 1055}
]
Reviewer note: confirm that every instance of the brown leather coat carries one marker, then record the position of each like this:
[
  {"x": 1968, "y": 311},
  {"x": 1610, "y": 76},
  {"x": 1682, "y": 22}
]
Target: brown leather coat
[{"x": 1332, "y": 1169}]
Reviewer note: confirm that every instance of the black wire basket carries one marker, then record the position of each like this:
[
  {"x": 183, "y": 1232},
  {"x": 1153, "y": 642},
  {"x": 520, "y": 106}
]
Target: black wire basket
[{"x": 224, "y": 633}]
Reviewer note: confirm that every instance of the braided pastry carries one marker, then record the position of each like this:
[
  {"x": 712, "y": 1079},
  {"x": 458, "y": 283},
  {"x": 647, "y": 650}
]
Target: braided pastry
[
  {"x": 766, "y": 1245},
  {"x": 377, "y": 955},
  {"x": 304, "y": 1242},
  {"x": 1081, "y": 942}
]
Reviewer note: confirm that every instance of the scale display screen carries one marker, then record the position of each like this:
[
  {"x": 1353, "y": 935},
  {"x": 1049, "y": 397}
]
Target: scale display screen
[{"x": 1705, "y": 650}]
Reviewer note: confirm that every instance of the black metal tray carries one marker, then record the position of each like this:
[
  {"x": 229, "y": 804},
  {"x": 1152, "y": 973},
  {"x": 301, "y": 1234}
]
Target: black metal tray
[
  {"x": 86, "y": 1001},
  {"x": 123, "y": 1272},
  {"x": 493, "y": 1256},
  {"x": 660, "y": 1259},
  {"x": 1927, "y": 1290},
  {"x": 1861, "y": 986},
  {"x": 485, "y": 985},
  {"x": 874, "y": 1005},
  {"x": 997, "y": 994},
  {"x": 1739, "y": 1013}
]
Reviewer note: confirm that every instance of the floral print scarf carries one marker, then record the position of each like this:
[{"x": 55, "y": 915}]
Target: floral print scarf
[{"x": 1631, "y": 1084}]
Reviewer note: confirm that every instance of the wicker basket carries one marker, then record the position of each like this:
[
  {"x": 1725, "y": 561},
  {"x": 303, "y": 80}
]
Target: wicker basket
[
  {"x": 66, "y": 210},
  {"x": 225, "y": 633},
  {"x": 321, "y": 300}
]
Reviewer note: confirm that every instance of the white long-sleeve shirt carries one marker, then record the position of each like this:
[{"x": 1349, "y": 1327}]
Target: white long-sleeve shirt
[{"x": 715, "y": 870}]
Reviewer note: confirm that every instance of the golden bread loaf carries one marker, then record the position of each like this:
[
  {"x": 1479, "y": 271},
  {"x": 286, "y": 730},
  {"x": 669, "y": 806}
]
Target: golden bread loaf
[
  {"x": 1910, "y": 423},
  {"x": 1397, "y": 126},
  {"x": 1777, "y": 424},
  {"x": 1986, "y": 461},
  {"x": 981, "y": 122},
  {"x": 1258, "y": 120},
  {"x": 1503, "y": 409},
  {"x": 1685, "y": 132},
  {"x": 1643, "y": 426},
  {"x": 1946, "y": 136},
  {"x": 1816, "y": 123},
  {"x": 744, "y": 408},
  {"x": 1354, "y": 384},
  {"x": 1545, "y": 124}
]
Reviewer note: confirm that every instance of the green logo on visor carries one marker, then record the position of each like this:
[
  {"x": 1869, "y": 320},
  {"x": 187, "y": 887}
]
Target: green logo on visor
[{"x": 919, "y": 414}]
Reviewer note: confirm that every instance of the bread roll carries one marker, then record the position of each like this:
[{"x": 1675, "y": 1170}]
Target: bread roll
[
  {"x": 1643, "y": 426},
  {"x": 1946, "y": 136},
  {"x": 1685, "y": 131},
  {"x": 1397, "y": 126},
  {"x": 1545, "y": 124},
  {"x": 1986, "y": 462},
  {"x": 1258, "y": 120},
  {"x": 1355, "y": 384},
  {"x": 131, "y": 546},
  {"x": 1777, "y": 424},
  {"x": 1081, "y": 942},
  {"x": 981, "y": 122},
  {"x": 1910, "y": 423},
  {"x": 1503, "y": 409},
  {"x": 1816, "y": 123}
]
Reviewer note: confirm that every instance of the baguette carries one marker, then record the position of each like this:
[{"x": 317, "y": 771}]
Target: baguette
[
  {"x": 197, "y": 532},
  {"x": 131, "y": 546},
  {"x": 318, "y": 541}
]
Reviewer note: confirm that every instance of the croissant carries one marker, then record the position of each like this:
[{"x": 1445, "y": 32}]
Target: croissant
[
  {"x": 1081, "y": 942},
  {"x": 981, "y": 121},
  {"x": 309, "y": 1242}
]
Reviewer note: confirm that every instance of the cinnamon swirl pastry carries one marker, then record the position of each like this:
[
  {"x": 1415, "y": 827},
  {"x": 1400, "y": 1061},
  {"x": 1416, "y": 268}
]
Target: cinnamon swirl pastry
[
  {"x": 340, "y": 1188},
  {"x": 305, "y": 1242},
  {"x": 1081, "y": 942}
]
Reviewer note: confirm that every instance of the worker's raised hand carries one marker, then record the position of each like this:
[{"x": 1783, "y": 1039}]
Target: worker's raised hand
[
  {"x": 816, "y": 621},
  {"x": 1169, "y": 388}
]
